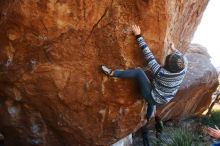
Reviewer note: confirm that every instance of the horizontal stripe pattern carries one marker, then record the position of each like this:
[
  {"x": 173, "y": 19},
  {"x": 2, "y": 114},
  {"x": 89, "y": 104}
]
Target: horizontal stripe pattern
[{"x": 165, "y": 84}]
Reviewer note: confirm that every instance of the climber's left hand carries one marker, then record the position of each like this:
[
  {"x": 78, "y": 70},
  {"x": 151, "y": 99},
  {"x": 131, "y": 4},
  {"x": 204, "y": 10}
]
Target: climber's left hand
[{"x": 136, "y": 29}]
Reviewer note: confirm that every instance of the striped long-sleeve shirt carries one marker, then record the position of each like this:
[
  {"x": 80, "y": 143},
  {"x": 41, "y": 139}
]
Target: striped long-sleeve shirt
[{"x": 165, "y": 84}]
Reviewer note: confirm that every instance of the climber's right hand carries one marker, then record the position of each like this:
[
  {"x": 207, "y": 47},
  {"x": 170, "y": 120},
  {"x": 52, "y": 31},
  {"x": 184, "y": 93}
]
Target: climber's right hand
[{"x": 172, "y": 47}]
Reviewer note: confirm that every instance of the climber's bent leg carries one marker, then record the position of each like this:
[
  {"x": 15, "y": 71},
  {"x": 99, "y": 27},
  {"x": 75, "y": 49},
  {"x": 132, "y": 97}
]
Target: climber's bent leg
[
  {"x": 143, "y": 81},
  {"x": 150, "y": 110},
  {"x": 130, "y": 73},
  {"x": 144, "y": 85}
]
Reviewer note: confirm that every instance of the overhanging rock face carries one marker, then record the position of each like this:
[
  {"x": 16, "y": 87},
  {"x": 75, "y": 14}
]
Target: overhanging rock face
[{"x": 51, "y": 90}]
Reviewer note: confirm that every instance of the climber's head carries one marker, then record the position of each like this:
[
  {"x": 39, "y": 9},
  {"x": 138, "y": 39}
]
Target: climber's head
[{"x": 174, "y": 63}]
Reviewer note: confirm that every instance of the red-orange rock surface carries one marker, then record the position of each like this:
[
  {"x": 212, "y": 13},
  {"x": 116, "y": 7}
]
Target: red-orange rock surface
[{"x": 51, "y": 90}]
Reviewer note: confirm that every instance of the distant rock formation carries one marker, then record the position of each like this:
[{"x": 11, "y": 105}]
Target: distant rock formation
[{"x": 51, "y": 90}]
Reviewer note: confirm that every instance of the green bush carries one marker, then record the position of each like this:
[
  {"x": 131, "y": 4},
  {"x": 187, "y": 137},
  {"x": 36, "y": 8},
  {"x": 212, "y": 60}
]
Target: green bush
[
  {"x": 175, "y": 137},
  {"x": 213, "y": 120}
]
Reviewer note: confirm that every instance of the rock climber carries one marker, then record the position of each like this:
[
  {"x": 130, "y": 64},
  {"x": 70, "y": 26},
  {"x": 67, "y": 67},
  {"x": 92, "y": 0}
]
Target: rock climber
[{"x": 166, "y": 80}]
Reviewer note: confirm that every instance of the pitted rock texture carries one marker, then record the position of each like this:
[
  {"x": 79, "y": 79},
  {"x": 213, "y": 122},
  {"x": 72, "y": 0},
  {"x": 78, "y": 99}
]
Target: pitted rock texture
[
  {"x": 51, "y": 90},
  {"x": 194, "y": 96}
]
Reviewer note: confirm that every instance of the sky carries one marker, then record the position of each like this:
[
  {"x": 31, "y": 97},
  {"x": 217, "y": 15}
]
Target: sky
[{"x": 208, "y": 31}]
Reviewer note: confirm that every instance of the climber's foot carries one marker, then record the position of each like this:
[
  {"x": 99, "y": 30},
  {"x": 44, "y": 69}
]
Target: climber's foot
[{"x": 107, "y": 70}]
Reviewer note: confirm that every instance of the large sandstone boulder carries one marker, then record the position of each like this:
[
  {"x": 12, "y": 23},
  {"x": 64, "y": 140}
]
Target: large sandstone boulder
[{"x": 51, "y": 90}]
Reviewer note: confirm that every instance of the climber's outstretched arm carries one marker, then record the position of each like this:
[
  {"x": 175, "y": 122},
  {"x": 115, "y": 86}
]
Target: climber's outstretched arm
[
  {"x": 173, "y": 49},
  {"x": 153, "y": 64}
]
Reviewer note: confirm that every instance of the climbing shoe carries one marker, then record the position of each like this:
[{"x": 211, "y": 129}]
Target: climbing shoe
[{"x": 107, "y": 70}]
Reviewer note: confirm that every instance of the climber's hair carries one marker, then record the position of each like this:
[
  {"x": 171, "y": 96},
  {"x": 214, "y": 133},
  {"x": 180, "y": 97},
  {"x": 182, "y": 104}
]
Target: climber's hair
[{"x": 174, "y": 63}]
